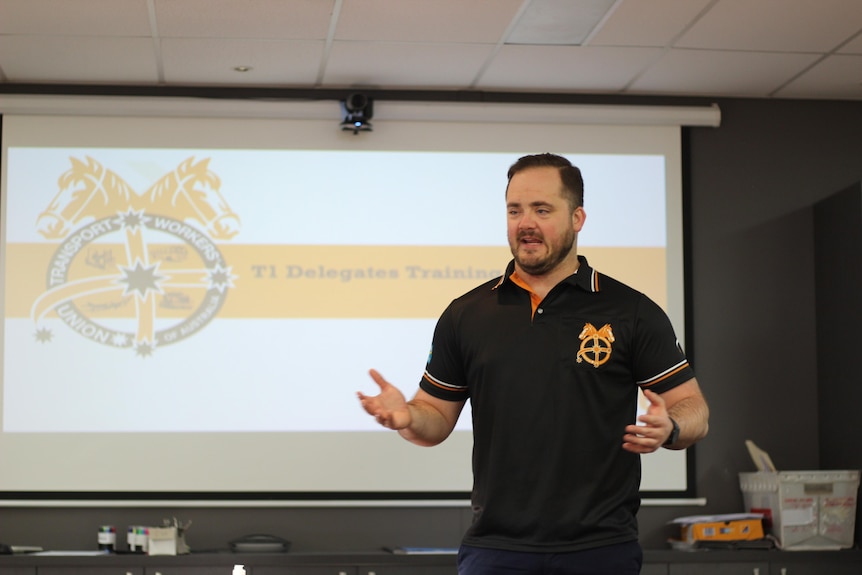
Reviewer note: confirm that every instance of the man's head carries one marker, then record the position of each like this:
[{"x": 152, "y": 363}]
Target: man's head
[
  {"x": 544, "y": 206},
  {"x": 570, "y": 176}
]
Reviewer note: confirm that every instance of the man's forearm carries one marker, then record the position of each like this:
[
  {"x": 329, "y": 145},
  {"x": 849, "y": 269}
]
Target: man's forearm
[
  {"x": 692, "y": 416},
  {"x": 427, "y": 427}
]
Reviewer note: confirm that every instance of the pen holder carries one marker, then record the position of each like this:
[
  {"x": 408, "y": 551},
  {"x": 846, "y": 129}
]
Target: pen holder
[{"x": 167, "y": 541}]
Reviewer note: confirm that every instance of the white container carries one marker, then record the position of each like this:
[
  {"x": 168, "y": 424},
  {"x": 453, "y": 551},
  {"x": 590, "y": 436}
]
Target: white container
[{"x": 807, "y": 509}]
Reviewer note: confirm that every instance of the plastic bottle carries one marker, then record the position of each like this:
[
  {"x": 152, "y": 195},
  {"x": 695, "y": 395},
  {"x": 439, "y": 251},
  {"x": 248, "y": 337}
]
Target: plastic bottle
[
  {"x": 143, "y": 538},
  {"x": 107, "y": 538}
]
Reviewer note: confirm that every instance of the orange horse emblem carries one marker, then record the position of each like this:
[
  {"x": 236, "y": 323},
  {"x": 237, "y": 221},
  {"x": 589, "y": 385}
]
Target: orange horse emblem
[
  {"x": 596, "y": 345},
  {"x": 135, "y": 270}
]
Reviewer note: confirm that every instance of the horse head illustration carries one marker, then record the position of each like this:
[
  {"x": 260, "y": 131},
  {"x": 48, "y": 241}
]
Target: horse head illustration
[
  {"x": 192, "y": 192},
  {"x": 87, "y": 190}
]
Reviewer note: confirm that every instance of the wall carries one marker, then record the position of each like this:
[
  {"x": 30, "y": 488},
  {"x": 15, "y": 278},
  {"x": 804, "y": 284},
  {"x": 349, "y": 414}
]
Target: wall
[
  {"x": 753, "y": 182},
  {"x": 838, "y": 272}
]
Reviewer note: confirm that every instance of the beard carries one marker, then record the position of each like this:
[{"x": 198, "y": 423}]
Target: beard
[{"x": 537, "y": 265}]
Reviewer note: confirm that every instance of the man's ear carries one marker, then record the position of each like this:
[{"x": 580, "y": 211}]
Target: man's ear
[{"x": 579, "y": 216}]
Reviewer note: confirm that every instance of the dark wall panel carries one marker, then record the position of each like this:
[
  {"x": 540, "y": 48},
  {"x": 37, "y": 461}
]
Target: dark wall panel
[
  {"x": 754, "y": 182},
  {"x": 838, "y": 272}
]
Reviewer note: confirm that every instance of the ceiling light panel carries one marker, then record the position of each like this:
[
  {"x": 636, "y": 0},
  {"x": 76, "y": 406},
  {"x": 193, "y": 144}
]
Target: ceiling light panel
[{"x": 558, "y": 22}]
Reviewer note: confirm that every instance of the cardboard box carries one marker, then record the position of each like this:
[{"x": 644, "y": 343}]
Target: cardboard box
[{"x": 804, "y": 510}]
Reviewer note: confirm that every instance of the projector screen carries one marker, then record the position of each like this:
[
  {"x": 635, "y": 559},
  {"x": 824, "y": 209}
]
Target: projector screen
[{"x": 190, "y": 304}]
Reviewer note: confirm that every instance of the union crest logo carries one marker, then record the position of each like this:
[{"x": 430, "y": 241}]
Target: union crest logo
[
  {"x": 135, "y": 270},
  {"x": 596, "y": 345}
]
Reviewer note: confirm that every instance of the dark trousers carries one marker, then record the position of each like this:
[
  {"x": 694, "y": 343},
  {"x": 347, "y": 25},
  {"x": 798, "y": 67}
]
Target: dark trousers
[{"x": 619, "y": 559}]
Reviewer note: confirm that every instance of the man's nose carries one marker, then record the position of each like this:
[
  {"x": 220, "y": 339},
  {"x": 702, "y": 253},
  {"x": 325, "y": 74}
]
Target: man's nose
[{"x": 526, "y": 222}]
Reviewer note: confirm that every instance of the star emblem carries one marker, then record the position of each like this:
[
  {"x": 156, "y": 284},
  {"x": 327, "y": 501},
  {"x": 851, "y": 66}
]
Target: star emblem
[
  {"x": 141, "y": 279},
  {"x": 43, "y": 335},
  {"x": 144, "y": 348},
  {"x": 221, "y": 278},
  {"x": 131, "y": 219}
]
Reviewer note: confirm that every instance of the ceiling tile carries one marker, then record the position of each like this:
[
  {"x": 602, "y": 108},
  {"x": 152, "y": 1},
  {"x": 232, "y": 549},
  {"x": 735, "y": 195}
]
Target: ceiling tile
[
  {"x": 400, "y": 65},
  {"x": 79, "y": 18},
  {"x": 575, "y": 68},
  {"x": 647, "y": 22},
  {"x": 775, "y": 25},
  {"x": 78, "y": 59},
  {"x": 854, "y": 46},
  {"x": 206, "y": 61},
  {"x": 559, "y": 22},
  {"x": 713, "y": 73},
  {"x": 836, "y": 77},
  {"x": 283, "y": 19},
  {"x": 474, "y": 21}
]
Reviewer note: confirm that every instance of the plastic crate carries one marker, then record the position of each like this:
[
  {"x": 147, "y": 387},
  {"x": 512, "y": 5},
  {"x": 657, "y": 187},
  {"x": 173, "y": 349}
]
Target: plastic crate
[{"x": 804, "y": 510}]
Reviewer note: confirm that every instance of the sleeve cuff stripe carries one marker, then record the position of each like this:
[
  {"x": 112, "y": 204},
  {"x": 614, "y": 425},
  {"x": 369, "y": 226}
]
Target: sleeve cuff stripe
[
  {"x": 442, "y": 385},
  {"x": 664, "y": 375}
]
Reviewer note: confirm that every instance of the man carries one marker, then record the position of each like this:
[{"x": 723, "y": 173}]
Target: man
[{"x": 551, "y": 356}]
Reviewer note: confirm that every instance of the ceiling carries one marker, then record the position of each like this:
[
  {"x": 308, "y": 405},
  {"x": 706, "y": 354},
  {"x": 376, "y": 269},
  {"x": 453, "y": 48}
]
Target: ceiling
[{"x": 803, "y": 49}]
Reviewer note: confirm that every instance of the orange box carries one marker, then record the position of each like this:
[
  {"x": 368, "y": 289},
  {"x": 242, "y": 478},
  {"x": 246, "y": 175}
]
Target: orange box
[{"x": 734, "y": 530}]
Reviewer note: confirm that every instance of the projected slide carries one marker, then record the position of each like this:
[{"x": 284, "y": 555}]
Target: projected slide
[
  {"x": 231, "y": 290},
  {"x": 214, "y": 308}
]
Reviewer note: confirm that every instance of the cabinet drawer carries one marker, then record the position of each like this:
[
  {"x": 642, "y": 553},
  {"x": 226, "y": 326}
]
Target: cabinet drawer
[
  {"x": 89, "y": 571},
  {"x": 334, "y": 570},
  {"x": 220, "y": 569},
  {"x": 718, "y": 569},
  {"x": 654, "y": 569},
  {"x": 816, "y": 569},
  {"x": 408, "y": 570}
]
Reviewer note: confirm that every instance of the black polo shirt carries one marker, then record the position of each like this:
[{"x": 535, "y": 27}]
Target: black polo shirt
[{"x": 551, "y": 394}]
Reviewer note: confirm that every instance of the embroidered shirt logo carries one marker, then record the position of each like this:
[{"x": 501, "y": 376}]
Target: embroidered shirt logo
[{"x": 596, "y": 345}]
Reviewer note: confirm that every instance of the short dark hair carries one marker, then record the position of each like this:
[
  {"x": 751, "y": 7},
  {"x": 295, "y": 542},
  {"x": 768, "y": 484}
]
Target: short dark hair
[{"x": 573, "y": 182}]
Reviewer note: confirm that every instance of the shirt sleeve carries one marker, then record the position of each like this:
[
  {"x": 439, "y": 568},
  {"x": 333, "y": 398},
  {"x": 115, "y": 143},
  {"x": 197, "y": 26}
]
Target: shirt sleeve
[
  {"x": 444, "y": 373},
  {"x": 660, "y": 364}
]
